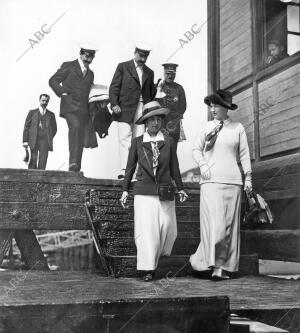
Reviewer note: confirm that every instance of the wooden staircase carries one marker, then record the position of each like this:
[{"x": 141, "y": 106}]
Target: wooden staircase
[{"x": 116, "y": 233}]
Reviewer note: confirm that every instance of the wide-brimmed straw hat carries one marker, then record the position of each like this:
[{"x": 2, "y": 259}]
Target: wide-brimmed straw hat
[
  {"x": 221, "y": 97},
  {"x": 98, "y": 92},
  {"x": 152, "y": 109}
]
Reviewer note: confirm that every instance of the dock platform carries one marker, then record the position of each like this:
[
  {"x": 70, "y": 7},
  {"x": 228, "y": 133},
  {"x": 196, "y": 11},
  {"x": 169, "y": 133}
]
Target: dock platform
[{"x": 57, "y": 301}]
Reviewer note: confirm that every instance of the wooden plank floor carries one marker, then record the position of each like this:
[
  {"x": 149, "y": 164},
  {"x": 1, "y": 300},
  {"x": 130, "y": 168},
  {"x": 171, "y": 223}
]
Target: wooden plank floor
[{"x": 50, "y": 288}]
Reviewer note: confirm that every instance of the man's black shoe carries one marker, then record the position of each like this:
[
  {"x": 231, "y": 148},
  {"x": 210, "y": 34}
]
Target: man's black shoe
[{"x": 74, "y": 167}]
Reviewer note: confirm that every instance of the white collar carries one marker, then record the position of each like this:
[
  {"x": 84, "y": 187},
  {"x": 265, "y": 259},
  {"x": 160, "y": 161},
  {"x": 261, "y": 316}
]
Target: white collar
[
  {"x": 159, "y": 137},
  {"x": 82, "y": 66},
  {"x": 226, "y": 121},
  {"x": 42, "y": 111}
]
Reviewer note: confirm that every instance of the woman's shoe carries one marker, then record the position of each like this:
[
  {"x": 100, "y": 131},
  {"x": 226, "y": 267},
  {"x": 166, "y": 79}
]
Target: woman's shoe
[
  {"x": 148, "y": 276},
  {"x": 218, "y": 274}
]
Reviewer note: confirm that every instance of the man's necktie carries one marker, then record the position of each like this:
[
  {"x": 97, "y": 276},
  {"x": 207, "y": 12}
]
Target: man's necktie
[
  {"x": 211, "y": 137},
  {"x": 42, "y": 113},
  {"x": 84, "y": 71}
]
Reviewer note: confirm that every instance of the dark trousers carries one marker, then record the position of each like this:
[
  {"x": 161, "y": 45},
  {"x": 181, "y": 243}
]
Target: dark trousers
[
  {"x": 76, "y": 123},
  {"x": 39, "y": 154}
]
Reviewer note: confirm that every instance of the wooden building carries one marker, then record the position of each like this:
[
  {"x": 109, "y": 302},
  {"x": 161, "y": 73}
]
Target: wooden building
[{"x": 266, "y": 90}]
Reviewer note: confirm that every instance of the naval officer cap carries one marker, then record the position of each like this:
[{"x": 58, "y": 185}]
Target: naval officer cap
[
  {"x": 88, "y": 47},
  {"x": 170, "y": 67},
  {"x": 143, "y": 48}
]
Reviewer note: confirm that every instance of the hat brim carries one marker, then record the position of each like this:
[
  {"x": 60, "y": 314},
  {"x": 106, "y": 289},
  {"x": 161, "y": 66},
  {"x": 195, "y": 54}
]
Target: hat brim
[
  {"x": 216, "y": 99},
  {"x": 99, "y": 98},
  {"x": 158, "y": 112}
]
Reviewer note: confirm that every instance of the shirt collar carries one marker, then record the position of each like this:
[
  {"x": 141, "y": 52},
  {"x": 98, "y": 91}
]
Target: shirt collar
[
  {"x": 42, "y": 111},
  {"x": 82, "y": 66},
  {"x": 159, "y": 137},
  {"x": 226, "y": 121}
]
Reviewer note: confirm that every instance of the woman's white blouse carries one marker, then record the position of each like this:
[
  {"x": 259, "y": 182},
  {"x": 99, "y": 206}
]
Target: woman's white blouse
[{"x": 230, "y": 147}]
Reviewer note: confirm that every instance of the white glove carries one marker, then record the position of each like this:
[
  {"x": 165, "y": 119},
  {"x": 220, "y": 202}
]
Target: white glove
[
  {"x": 248, "y": 181},
  {"x": 182, "y": 196},
  {"x": 116, "y": 109},
  {"x": 124, "y": 199},
  {"x": 25, "y": 144},
  {"x": 248, "y": 185},
  {"x": 205, "y": 171}
]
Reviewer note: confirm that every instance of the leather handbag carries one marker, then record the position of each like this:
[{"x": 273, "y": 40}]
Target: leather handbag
[
  {"x": 257, "y": 211},
  {"x": 166, "y": 192}
]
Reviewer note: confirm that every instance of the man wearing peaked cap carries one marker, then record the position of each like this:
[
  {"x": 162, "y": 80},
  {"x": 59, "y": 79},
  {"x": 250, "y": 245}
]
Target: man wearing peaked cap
[
  {"x": 171, "y": 95},
  {"x": 72, "y": 83},
  {"x": 131, "y": 87}
]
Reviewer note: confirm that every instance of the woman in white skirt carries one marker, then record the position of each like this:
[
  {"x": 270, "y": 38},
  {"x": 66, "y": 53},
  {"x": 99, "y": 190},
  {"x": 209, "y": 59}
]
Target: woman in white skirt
[
  {"x": 154, "y": 154},
  {"x": 219, "y": 146}
]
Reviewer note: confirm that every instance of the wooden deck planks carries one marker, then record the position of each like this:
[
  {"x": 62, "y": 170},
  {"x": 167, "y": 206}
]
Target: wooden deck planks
[{"x": 54, "y": 288}]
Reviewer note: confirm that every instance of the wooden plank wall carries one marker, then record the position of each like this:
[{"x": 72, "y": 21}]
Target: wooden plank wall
[
  {"x": 235, "y": 41},
  {"x": 244, "y": 114},
  {"x": 279, "y": 125}
]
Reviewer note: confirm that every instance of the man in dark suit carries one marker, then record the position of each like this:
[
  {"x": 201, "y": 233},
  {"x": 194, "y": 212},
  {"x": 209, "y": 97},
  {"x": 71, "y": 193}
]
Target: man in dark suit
[
  {"x": 39, "y": 131},
  {"x": 72, "y": 83},
  {"x": 132, "y": 86}
]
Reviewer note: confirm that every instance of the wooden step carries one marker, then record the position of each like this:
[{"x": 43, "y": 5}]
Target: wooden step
[
  {"x": 268, "y": 244},
  {"x": 241, "y": 325},
  {"x": 125, "y": 246},
  {"x": 173, "y": 266},
  {"x": 116, "y": 213},
  {"x": 272, "y": 244},
  {"x": 116, "y": 229}
]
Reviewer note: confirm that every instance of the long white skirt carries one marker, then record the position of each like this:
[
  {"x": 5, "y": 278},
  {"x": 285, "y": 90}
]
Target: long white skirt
[
  {"x": 155, "y": 229},
  {"x": 220, "y": 207}
]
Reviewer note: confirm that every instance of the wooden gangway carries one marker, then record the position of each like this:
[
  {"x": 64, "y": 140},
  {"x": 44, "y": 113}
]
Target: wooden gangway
[
  {"x": 66, "y": 301},
  {"x": 55, "y": 200}
]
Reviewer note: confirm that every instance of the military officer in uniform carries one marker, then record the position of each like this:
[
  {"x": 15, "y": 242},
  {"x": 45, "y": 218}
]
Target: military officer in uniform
[{"x": 171, "y": 95}]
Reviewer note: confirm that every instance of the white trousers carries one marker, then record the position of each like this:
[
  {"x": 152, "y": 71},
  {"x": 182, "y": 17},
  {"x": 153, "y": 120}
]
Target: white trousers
[
  {"x": 155, "y": 230},
  {"x": 128, "y": 131}
]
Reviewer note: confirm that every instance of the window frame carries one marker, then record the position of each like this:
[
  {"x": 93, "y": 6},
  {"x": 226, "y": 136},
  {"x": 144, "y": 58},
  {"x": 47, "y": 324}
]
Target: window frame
[{"x": 259, "y": 28}]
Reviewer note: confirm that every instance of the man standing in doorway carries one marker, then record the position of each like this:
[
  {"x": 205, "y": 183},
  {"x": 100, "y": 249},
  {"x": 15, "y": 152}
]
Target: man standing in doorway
[
  {"x": 132, "y": 86},
  {"x": 72, "y": 83},
  {"x": 39, "y": 131},
  {"x": 174, "y": 99}
]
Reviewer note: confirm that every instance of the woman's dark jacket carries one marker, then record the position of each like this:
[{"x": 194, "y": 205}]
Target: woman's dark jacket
[{"x": 167, "y": 169}]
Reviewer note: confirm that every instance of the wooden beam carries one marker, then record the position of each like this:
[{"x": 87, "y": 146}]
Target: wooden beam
[
  {"x": 213, "y": 45},
  {"x": 30, "y": 250}
]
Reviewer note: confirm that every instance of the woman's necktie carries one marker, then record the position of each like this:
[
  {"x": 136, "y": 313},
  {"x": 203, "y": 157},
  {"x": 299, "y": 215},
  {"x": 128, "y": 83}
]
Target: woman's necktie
[
  {"x": 211, "y": 137},
  {"x": 155, "y": 151}
]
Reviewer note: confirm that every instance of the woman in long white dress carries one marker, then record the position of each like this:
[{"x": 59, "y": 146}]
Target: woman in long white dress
[{"x": 219, "y": 146}]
